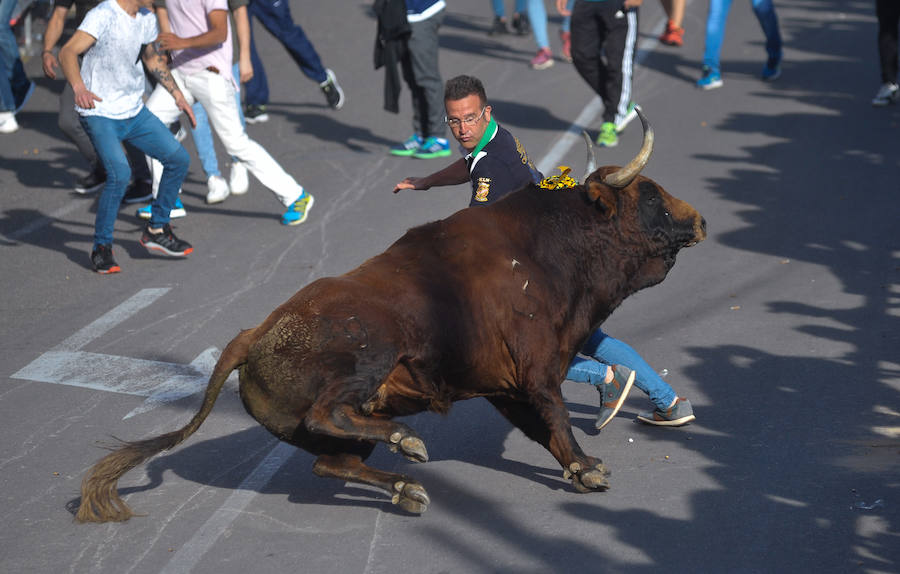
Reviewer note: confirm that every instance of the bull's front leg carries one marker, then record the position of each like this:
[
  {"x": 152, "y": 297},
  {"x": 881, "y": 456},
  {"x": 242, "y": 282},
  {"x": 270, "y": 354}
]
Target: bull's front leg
[
  {"x": 342, "y": 420},
  {"x": 545, "y": 419}
]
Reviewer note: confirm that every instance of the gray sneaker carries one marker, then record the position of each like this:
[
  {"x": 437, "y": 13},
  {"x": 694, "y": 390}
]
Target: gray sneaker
[
  {"x": 613, "y": 394},
  {"x": 887, "y": 94},
  {"x": 680, "y": 413}
]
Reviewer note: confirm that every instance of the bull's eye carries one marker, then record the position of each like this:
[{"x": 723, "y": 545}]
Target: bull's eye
[{"x": 667, "y": 214}]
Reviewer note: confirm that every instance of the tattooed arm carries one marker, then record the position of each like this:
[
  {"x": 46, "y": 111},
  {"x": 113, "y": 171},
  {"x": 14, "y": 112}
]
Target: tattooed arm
[{"x": 155, "y": 62}]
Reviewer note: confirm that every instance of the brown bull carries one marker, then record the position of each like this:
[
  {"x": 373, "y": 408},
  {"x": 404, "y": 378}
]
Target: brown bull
[{"x": 491, "y": 302}]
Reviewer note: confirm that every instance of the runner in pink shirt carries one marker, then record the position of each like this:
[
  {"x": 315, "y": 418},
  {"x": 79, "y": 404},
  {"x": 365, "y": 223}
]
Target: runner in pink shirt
[{"x": 201, "y": 49}]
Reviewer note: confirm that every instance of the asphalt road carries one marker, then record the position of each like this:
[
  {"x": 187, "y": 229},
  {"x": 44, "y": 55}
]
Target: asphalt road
[{"x": 782, "y": 328}]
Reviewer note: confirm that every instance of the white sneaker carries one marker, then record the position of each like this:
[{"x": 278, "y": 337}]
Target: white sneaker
[
  {"x": 887, "y": 94},
  {"x": 8, "y": 123},
  {"x": 237, "y": 180},
  {"x": 218, "y": 189}
]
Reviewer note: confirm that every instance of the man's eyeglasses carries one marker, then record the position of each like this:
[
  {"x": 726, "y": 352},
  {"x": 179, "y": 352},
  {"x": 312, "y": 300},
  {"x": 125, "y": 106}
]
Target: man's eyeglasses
[{"x": 455, "y": 123}]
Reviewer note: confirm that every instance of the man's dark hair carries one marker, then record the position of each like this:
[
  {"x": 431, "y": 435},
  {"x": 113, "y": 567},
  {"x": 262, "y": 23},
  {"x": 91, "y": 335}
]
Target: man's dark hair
[{"x": 462, "y": 86}]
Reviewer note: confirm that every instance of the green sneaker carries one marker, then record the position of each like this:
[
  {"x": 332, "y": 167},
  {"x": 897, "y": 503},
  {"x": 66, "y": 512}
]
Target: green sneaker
[
  {"x": 297, "y": 212},
  {"x": 612, "y": 395},
  {"x": 680, "y": 413},
  {"x": 432, "y": 148},
  {"x": 608, "y": 137},
  {"x": 407, "y": 148}
]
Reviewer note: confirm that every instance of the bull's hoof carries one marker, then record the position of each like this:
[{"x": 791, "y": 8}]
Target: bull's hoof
[
  {"x": 413, "y": 447},
  {"x": 590, "y": 480},
  {"x": 411, "y": 497}
]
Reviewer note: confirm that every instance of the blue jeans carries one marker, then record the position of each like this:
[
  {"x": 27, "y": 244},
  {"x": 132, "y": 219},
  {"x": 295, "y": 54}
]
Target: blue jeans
[
  {"x": 610, "y": 351},
  {"x": 715, "y": 30},
  {"x": 202, "y": 134},
  {"x": 500, "y": 12},
  {"x": 14, "y": 84},
  {"x": 145, "y": 132},
  {"x": 275, "y": 15},
  {"x": 537, "y": 15}
]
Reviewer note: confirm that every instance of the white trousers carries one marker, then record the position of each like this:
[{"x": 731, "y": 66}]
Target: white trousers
[{"x": 216, "y": 95}]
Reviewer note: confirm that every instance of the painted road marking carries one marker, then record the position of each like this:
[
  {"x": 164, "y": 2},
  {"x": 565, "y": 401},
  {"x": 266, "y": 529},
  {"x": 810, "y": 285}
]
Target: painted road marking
[{"x": 160, "y": 382}]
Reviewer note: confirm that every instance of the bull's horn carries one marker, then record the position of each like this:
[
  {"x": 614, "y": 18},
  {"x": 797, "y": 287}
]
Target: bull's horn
[
  {"x": 624, "y": 176},
  {"x": 591, "y": 158}
]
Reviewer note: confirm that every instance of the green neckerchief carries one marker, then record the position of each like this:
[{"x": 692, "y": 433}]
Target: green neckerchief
[{"x": 488, "y": 134}]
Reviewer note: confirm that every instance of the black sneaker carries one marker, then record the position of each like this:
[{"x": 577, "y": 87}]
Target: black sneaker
[
  {"x": 521, "y": 24},
  {"x": 255, "y": 114},
  {"x": 498, "y": 28},
  {"x": 103, "y": 261},
  {"x": 332, "y": 90},
  {"x": 138, "y": 192},
  {"x": 165, "y": 242},
  {"x": 91, "y": 182}
]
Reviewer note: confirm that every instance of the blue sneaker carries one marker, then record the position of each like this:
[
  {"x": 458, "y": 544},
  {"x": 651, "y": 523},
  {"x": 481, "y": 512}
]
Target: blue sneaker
[
  {"x": 409, "y": 147},
  {"x": 710, "y": 80},
  {"x": 432, "y": 148},
  {"x": 297, "y": 212},
  {"x": 771, "y": 70},
  {"x": 177, "y": 211}
]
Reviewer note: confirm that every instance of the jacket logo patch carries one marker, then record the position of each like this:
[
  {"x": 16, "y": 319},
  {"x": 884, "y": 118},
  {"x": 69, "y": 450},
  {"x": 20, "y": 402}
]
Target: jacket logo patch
[{"x": 484, "y": 187}]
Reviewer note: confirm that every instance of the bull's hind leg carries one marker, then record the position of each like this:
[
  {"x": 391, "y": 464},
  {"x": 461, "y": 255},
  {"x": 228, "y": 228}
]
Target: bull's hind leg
[
  {"x": 587, "y": 473},
  {"x": 344, "y": 421},
  {"x": 405, "y": 492}
]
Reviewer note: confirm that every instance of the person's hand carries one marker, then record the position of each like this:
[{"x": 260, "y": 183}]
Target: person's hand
[
  {"x": 561, "y": 7},
  {"x": 84, "y": 98},
  {"x": 49, "y": 63},
  {"x": 411, "y": 183},
  {"x": 169, "y": 41},
  {"x": 245, "y": 68},
  {"x": 184, "y": 107},
  {"x": 631, "y": 3}
]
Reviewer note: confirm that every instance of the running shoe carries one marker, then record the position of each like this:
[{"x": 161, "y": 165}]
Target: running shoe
[
  {"x": 710, "y": 79},
  {"x": 299, "y": 210},
  {"x": 680, "y": 413},
  {"x": 613, "y": 394},
  {"x": 255, "y": 114},
  {"x": 409, "y": 147},
  {"x": 102, "y": 259},
  {"x": 165, "y": 242},
  {"x": 543, "y": 59},
  {"x": 608, "y": 137},
  {"x": 177, "y": 211},
  {"x": 887, "y": 94},
  {"x": 137, "y": 192},
  {"x": 91, "y": 182},
  {"x": 334, "y": 95},
  {"x": 433, "y": 147},
  {"x": 217, "y": 189},
  {"x": 772, "y": 70},
  {"x": 673, "y": 36},
  {"x": 629, "y": 116}
]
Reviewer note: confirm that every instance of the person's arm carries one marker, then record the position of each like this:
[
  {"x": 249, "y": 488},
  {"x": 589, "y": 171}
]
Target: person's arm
[
  {"x": 162, "y": 18},
  {"x": 453, "y": 174},
  {"x": 155, "y": 63},
  {"x": 51, "y": 36},
  {"x": 216, "y": 34},
  {"x": 242, "y": 29},
  {"x": 78, "y": 44}
]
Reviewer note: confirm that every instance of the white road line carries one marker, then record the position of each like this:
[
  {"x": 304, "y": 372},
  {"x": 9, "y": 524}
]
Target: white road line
[
  {"x": 140, "y": 300},
  {"x": 202, "y": 541}
]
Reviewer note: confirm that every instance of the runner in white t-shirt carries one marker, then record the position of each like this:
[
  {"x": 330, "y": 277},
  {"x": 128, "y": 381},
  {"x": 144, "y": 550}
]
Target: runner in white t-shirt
[{"x": 108, "y": 85}]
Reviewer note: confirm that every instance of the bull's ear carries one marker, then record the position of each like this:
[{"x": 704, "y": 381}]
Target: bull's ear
[{"x": 604, "y": 197}]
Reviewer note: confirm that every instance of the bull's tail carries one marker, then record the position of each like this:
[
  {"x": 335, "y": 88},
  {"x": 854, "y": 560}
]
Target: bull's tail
[{"x": 100, "y": 501}]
